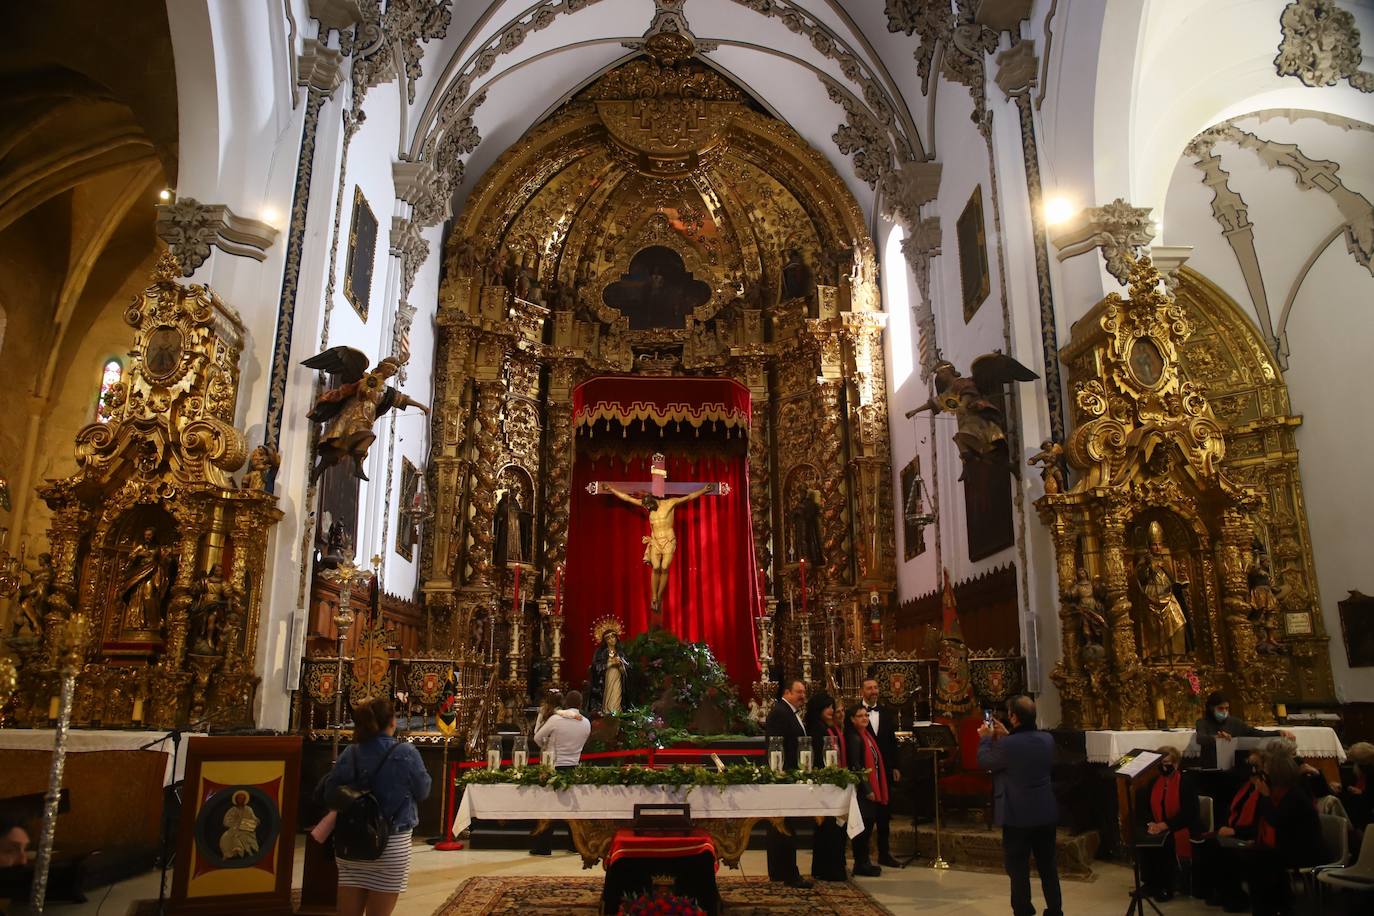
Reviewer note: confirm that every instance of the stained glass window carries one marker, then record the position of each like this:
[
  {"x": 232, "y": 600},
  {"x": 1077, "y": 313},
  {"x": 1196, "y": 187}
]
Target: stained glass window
[{"x": 109, "y": 381}]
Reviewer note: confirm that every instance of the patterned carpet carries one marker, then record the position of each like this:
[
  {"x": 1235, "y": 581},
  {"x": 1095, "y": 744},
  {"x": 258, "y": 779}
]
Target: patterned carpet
[{"x": 581, "y": 897}]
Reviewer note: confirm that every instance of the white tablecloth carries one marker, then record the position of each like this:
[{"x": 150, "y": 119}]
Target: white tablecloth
[
  {"x": 532, "y": 803},
  {"x": 85, "y": 741},
  {"x": 1109, "y": 746}
]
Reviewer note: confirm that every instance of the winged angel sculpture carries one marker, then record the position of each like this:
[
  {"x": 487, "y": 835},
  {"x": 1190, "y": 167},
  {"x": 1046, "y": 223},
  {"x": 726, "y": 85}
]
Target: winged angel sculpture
[
  {"x": 982, "y": 433},
  {"x": 349, "y": 409}
]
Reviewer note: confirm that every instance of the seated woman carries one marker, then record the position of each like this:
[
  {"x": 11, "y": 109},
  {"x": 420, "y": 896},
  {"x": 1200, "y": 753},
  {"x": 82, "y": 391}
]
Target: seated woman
[
  {"x": 1217, "y": 722},
  {"x": 1356, "y": 791},
  {"x": 1217, "y": 865},
  {"x": 1289, "y": 835},
  {"x": 1167, "y": 807},
  {"x": 827, "y": 845},
  {"x": 865, "y": 758}
]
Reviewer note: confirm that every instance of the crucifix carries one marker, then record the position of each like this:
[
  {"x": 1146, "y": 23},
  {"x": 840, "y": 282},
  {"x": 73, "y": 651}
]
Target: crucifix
[{"x": 659, "y": 499}]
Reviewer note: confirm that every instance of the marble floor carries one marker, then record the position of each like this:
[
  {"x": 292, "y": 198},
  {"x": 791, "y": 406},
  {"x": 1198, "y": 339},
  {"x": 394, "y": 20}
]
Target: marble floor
[{"x": 916, "y": 889}]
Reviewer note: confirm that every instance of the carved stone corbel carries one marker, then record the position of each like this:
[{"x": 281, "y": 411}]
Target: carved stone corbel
[
  {"x": 319, "y": 67},
  {"x": 1119, "y": 229},
  {"x": 190, "y": 228}
]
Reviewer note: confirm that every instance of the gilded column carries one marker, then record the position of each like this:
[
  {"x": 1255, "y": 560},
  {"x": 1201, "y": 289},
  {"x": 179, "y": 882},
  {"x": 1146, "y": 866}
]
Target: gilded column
[
  {"x": 1126, "y": 676},
  {"x": 483, "y": 496},
  {"x": 829, "y": 394}
]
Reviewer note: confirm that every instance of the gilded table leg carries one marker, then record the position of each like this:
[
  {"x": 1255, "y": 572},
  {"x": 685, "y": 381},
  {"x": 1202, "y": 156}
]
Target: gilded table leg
[{"x": 593, "y": 838}]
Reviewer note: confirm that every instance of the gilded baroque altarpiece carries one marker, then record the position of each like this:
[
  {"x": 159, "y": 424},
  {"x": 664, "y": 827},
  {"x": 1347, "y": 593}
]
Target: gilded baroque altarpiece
[
  {"x": 777, "y": 291},
  {"x": 1184, "y": 538},
  {"x": 151, "y": 540}
]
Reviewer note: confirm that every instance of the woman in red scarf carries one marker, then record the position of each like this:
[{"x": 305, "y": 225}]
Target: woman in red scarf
[
  {"x": 1217, "y": 862},
  {"x": 1167, "y": 807},
  {"x": 864, "y": 757},
  {"x": 827, "y": 845}
]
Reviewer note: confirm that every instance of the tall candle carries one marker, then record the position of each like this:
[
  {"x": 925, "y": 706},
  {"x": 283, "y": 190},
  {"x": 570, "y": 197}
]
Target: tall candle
[
  {"x": 138, "y": 710},
  {"x": 1282, "y": 710},
  {"x": 803, "y": 585},
  {"x": 558, "y": 592},
  {"x": 761, "y": 591},
  {"x": 54, "y": 706},
  {"x": 1159, "y": 709},
  {"x": 515, "y": 600}
]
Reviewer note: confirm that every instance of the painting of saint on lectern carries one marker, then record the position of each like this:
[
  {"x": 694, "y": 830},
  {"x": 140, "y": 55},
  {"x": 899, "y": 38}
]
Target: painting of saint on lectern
[{"x": 657, "y": 291}]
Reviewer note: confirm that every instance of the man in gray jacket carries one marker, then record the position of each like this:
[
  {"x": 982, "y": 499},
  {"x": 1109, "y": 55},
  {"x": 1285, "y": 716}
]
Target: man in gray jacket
[{"x": 1023, "y": 802}]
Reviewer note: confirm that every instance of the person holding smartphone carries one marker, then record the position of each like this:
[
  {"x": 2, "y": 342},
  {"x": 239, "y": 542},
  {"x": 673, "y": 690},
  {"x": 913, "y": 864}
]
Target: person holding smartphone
[{"x": 1020, "y": 759}]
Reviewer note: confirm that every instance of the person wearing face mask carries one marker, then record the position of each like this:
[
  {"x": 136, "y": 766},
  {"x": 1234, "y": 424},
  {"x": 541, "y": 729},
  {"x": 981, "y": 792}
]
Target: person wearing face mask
[
  {"x": 1217, "y": 862},
  {"x": 1289, "y": 836},
  {"x": 1168, "y": 806},
  {"x": 1217, "y": 722}
]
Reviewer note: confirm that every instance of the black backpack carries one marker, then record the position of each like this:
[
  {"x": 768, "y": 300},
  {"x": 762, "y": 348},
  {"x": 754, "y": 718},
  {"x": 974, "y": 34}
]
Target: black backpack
[{"x": 363, "y": 828}]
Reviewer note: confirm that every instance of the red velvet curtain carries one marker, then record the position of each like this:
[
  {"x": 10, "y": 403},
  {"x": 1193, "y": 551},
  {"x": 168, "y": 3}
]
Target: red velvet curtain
[{"x": 712, "y": 583}]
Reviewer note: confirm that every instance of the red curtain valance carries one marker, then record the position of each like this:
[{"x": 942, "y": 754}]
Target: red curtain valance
[{"x": 626, "y": 399}]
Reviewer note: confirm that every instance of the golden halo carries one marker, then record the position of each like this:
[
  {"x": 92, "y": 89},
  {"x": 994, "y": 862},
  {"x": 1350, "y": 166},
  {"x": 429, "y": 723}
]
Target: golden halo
[{"x": 606, "y": 625}]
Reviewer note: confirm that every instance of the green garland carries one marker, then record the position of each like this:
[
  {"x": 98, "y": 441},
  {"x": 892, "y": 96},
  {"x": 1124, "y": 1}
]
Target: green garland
[{"x": 676, "y": 776}]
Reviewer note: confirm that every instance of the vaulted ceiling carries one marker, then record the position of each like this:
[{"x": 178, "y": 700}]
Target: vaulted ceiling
[{"x": 501, "y": 66}]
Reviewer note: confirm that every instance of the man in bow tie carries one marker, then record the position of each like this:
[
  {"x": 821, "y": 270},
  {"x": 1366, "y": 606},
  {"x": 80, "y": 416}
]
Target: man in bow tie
[{"x": 882, "y": 722}]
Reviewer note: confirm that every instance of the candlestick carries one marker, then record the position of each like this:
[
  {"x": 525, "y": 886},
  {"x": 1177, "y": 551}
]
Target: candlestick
[
  {"x": 1281, "y": 710},
  {"x": 53, "y": 706},
  {"x": 1159, "y": 709},
  {"x": 138, "y": 711}
]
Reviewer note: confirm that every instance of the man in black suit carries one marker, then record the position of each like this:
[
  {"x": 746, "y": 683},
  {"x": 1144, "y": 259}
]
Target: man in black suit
[
  {"x": 786, "y": 720},
  {"x": 882, "y": 722}
]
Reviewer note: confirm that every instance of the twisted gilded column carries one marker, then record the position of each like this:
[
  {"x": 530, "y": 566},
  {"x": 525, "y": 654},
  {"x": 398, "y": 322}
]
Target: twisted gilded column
[
  {"x": 834, "y": 508},
  {"x": 484, "y": 471},
  {"x": 1127, "y": 680}
]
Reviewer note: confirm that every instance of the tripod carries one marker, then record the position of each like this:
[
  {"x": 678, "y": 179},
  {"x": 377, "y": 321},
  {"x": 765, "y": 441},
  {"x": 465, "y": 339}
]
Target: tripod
[{"x": 1139, "y": 898}]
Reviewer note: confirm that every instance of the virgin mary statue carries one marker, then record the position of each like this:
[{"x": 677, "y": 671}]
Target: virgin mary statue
[{"x": 609, "y": 670}]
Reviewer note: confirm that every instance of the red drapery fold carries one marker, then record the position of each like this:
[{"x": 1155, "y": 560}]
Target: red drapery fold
[{"x": 712, "y": 586}]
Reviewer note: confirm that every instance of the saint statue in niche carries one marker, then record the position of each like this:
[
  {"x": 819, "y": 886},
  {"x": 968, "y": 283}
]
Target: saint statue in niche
[
  {"x": 511, "y": 530},
  {"x": 1166, "y": 622},
  {"x": 143, "y": 584},
  {"x": 806, "y": 528},
  {"x": 657, "y": 291}
]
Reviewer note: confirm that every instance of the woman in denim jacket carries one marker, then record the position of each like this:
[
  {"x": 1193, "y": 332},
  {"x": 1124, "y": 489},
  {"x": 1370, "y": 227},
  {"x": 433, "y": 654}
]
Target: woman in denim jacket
[{"x": 373, "y": 887}]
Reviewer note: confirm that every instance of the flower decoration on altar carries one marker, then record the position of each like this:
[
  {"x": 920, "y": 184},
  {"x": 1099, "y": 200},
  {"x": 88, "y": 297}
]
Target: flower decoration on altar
[{"x": 661, "y": 904}]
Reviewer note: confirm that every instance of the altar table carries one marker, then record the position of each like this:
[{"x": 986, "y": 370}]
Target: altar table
[
  {"x": 594, "y": 813},
  {"x": 1109, "y": 746}
]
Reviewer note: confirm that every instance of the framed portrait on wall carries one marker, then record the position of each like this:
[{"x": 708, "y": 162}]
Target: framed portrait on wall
[
  {"x": 237, "y": 836},
  {"x": 973, "y": 255},
  {"x": 362, "y": 250},
  {"x": 407, "y": 521},
  {"x": 1357, "y": 628}
]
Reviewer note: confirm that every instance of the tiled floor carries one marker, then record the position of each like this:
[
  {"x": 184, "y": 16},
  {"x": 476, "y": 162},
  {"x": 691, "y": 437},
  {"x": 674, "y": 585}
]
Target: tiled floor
[{"x": 434, "y": 875}]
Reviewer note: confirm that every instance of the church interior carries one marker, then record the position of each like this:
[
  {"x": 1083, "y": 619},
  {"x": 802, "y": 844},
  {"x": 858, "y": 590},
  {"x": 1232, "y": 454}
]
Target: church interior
[{"x": 926, "y": 354}]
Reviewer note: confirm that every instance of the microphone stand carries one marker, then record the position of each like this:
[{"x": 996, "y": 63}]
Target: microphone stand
[{"x": 164, "y": 852}]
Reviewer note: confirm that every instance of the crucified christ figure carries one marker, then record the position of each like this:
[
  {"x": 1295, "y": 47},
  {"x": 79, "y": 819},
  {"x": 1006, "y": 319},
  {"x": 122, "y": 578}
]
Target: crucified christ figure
[{"x": 661, "y": 542}]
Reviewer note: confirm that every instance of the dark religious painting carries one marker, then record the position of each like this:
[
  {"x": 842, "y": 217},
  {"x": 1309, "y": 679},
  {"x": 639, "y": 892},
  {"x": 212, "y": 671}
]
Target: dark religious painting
[
  {"x": 407, "y": 519},
  {"x": 913, "y": 506},
  {"x": 1357, "y": 626},
  {"x": 973, "y": 255},
  {"x": 657, "y": 291},
  {"x": 362, "y": 248},
  {"x": 987, "y": 508},
  {"x": 338, "y": 518}
]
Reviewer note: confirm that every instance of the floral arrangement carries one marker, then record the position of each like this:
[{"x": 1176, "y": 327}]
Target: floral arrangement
[
  {"x": 676, "y": 776},
  {"x": 661, "y": 905},
  {"x": 674, "y": 682}
]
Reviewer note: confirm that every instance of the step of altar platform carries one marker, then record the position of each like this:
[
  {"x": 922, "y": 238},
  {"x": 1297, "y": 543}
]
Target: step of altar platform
[{"x": 973, "y": 846}]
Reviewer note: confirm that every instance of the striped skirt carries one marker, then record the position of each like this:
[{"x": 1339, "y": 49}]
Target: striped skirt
[{"x": 388, "y": 875}]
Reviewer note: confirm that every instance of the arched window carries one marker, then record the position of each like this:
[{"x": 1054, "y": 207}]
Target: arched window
[
  {"x": 895, "y": 291},
  {"x": 110, "y": 374}
]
